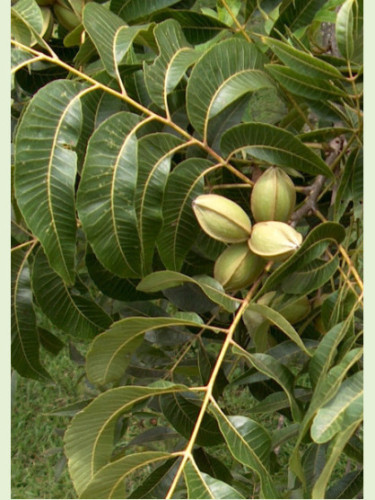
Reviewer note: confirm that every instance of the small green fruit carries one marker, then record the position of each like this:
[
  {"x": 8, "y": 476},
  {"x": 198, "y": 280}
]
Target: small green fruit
[
  {"x": 43, "y": 3},
  {"x": 237, "y": 267},
  {"x": 221, "y": 218},
  {"x": 273, "y": 196},
  {"x": 274, "y": 240},
  {"x": 253, "y": 319},
  {"x": 66, "y": 17}
]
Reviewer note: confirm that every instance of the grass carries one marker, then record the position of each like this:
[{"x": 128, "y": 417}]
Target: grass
[{"x": 38, "y": 465}]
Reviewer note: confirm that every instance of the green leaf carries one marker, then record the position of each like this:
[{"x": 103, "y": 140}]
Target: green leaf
[
  {"x": 108, "y": 482},
  {"x": 250, "y": 444},
  {"x": 280, "y": 322},
  {"x": 302, "y": 62},
  {"x": 206, "y": 364},
  {"x": 26, "y": 22},
  {"x": 175, "y": 57},
  {"x": 344, "y": 29},
  {"x": 313, "y": 462},
  {"x": 273, "y": 145},
  {"x": 106, "y": 194},
  {"x": 348, "y": 486},
  {"x": 271, "y": 367},
  {"x": 180, "y": 227},
  {"x": 162, "y": 280},
  {"x": 222, "y": 75},
  {"x": 328, "y": 231},
  {"x": 132, "y": 10},
  {"x": 50, "y": 342},
  {"x": 110, "y": 352},
  {"x": 305, "y": 86},
  {"x": 123, "y": 289},
  {"x": 111, "y": 37},
  {"x": 305, "y": 282},
  {"x": 88, "y": 440},
  {"x": 183, "y": 413},
  {"x": 25, "y": 339},
  {"x": 323, "y": 134},
  {"x": 73, "y": 313},
  {"x": 45, "y": 170},
  {"x": 294, "y": 15},
  {"x": 155, "y": 153},
  {"x": 157, "y": 484},
  {"x": 211, "y": 465},
  {"x": 339, "y": 413},
  {"x": 201, "y": 485},
  {"x": 334, "y": 454},
  {"x": 198, "y": 28}
]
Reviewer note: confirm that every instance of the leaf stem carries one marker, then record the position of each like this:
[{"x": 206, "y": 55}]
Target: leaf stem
[
  {"x": 209, "y": 387},
  {"x": 236, "y": 21}
]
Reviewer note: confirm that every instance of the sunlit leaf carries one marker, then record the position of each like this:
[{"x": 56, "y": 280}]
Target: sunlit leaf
[
  {"x": 45, "y": 170},
  {"x": 273, "y": 145},
  {"x": 132, "y": 10},
  {"x": 344, "y": 29},
  {"x": 88, "y": 440}
]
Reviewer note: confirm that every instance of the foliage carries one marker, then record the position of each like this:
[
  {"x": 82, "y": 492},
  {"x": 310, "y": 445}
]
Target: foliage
[{"x": 122, "y": 116}]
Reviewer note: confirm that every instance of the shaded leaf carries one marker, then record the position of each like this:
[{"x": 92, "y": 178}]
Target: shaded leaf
[
  {"x": 180, "y": 227},
  {"x": 211, "y": 465},
  {"x": 45, "y": 170},
  {"x": 157, "y": 484},
  {"x": 25, "y": 338},
  {"x": 201, "y": 485},
  {"x": 300, "y": 61},
  {"x": 206, "y": 364},
  {"x": 222, "y": 75},
  {"x": 132, "y": 10},
  {"x": 273, "y": 145},
  {"x": 182, "y": 413},
  {"x": 73, "y": 313},
  {"x": 304, "y": 86},
  {"x": 49, "y": 341},
  {"x": 88, "y": 442},
  {"x": 111, "y": 351},
  {"x": 162, "y": 280},
  {"x": 348, "y": 486},
  {"x": 108, "y": 482},
  {"x": 294, "y": 15}
]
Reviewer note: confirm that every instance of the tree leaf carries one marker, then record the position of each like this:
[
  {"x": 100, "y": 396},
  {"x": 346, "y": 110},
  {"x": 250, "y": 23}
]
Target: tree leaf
[
  {"x": 222, "y": 75},
  {"x": 197, "y": 27},
  {"x": 123, "y": 289},
  {"x": 269, "y": 366},
  {"x": 108, "y": 482},
  {"x": 294, "y": 15},
  {"x": 280, "y": 322},
  {"x": 305, "y": 282},
  {"x": 111, "y": 37},
  {"x": 334, "y": 454},
  {"x": 106, "y": 194},
  {"x": 341, "y": 411},
  {"x": 344, "y": 29},
  {"x": 157, "y": 484},
  {"x": 25, "y": 339},
  {"x": 348, "y": 486},
  {"x": 175, "y": 57},
  {"x": 201, "y": 485},
  {"x": 250, "y": 444},
  {"x": 73, "y": 313},
  {"x": 26, "y": 22},
  {"x": 273, "y": 145},
  {"x": 328, "y": 231},
  {"x": 304, "y": 86},
  {"x": 206, "y": 364},
  {"x": 180, "y": 226},
  {"x": 162, "y": 280},
  {"x": 50, "y": 342},
  {"x": 182, "y": 413},
  {"x": 154, "y": 159},
  {"x": 45, "y": 170},
  {"x": 211, "y": 465},
  {"x": 133, "y": 10},
  {"x": 110, "y": 353},
  {"x": 88, "y": 440},
  {"x": 302, "y": 62}
]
